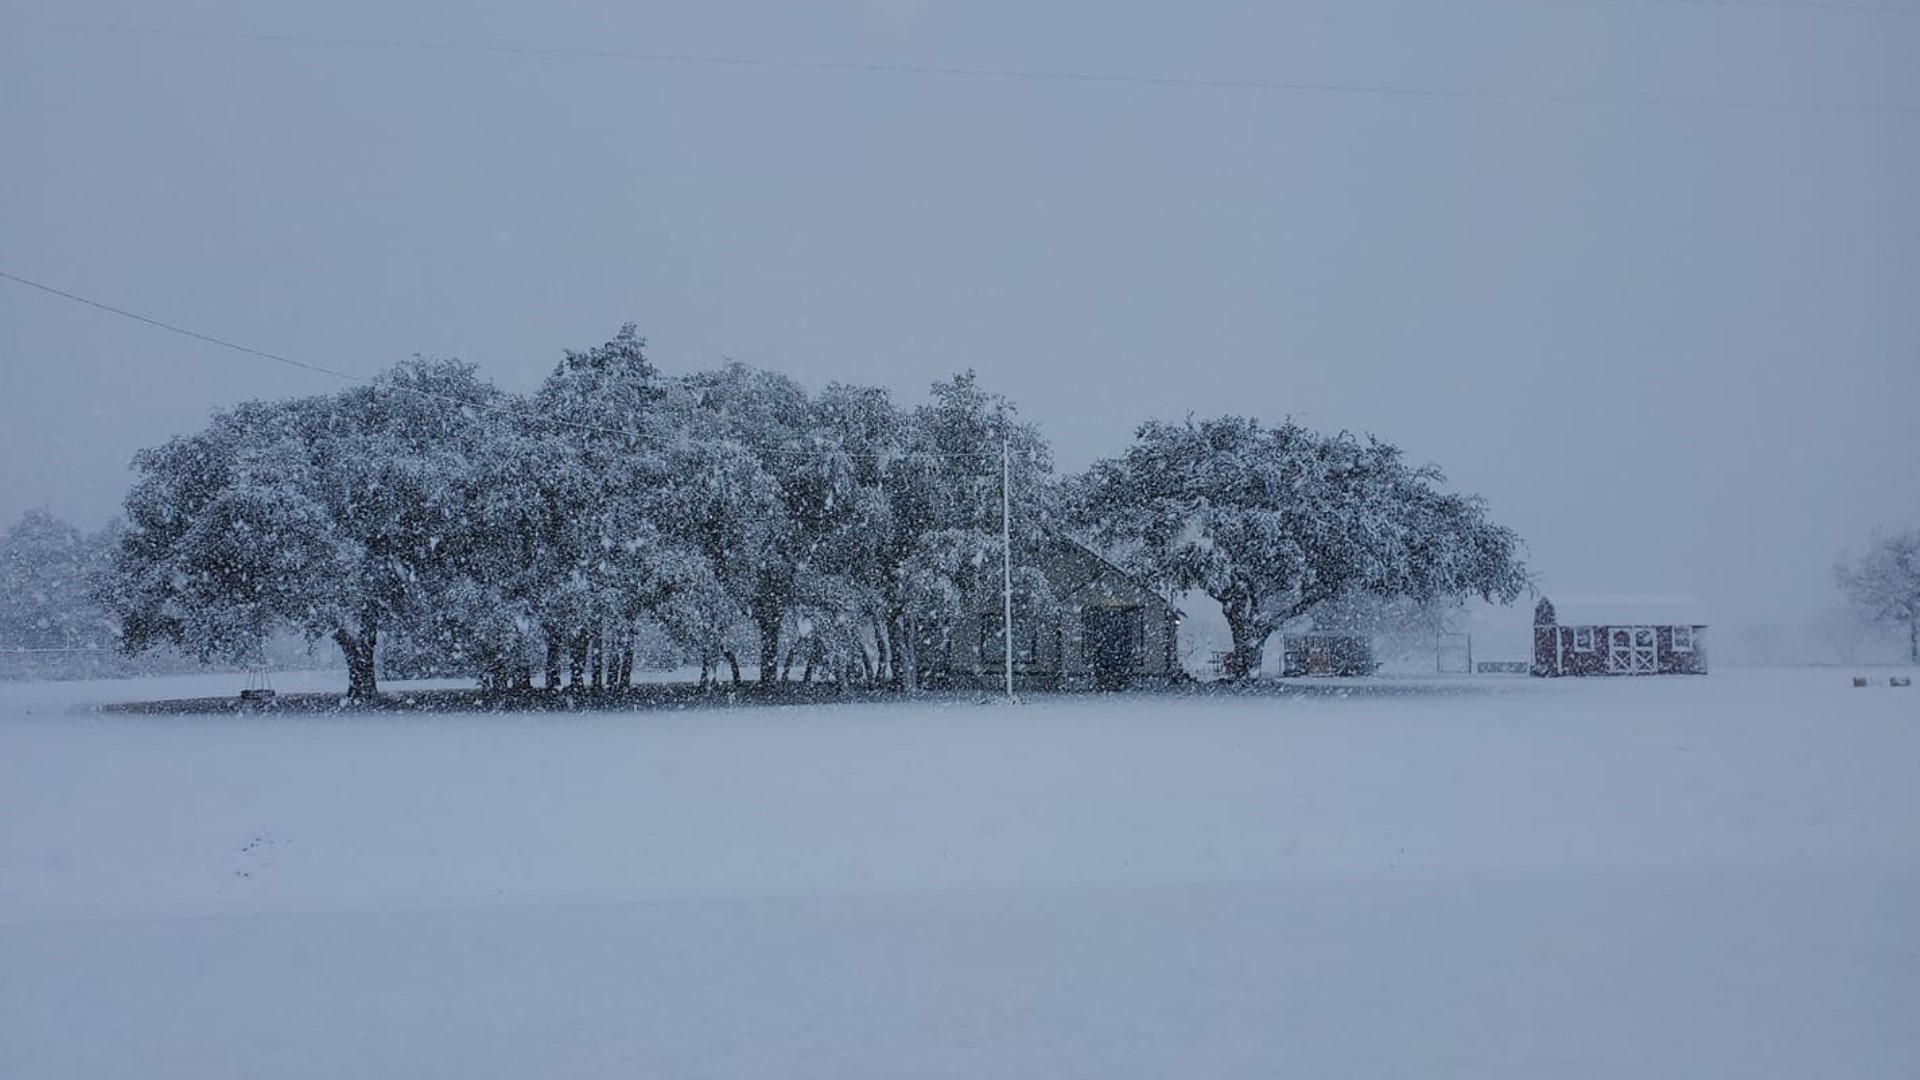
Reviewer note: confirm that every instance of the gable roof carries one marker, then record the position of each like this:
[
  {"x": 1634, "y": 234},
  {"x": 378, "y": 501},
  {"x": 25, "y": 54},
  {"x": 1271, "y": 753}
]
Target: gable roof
[
  {"x": 1101, "y": 567},
  {"x": 1104, "y": 567},
  {"x": 1627, "y": 609}
]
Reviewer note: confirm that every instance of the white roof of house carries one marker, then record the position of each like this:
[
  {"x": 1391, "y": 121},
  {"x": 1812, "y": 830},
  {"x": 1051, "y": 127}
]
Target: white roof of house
[{"x": 1627, "y": 609}]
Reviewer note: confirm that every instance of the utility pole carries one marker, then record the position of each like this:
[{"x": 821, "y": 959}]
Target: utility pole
[{"x": 1006, "y": 551}]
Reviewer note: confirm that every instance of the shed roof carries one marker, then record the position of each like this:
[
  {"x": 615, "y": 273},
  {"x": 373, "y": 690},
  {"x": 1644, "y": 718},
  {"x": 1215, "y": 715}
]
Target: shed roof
[{"x": 1627, "y": 609}]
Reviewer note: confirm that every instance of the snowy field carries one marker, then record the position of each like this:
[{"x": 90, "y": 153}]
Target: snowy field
[{"x": 1705, "y": 877}]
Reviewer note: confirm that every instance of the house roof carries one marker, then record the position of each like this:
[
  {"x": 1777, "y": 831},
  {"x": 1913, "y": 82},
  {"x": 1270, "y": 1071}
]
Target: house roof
[
  {"x": 1109, "y": 566},
  {"x": 1627, "y": 609}
]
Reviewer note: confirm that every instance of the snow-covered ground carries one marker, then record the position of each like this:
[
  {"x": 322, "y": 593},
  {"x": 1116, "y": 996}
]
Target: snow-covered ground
[{"x": 1666, "y": 877}]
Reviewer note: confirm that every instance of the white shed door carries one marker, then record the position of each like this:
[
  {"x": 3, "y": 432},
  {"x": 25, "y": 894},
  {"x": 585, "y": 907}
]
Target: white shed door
[{"x": 1631, "y": 651}]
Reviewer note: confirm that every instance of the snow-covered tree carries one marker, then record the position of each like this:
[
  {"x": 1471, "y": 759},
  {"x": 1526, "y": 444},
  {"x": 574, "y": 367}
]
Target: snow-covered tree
[
  {"x": 398, "y": 459},
  {"x": 47, "y": 572},
  {"x": 595, "y": 525},
  {"x": 340, "y": 516},
  {"x": 834, "y": 494},
  {"x": 1271, "y": 522},
  {"x": 1883, "y": 586},
  {"x": 944, "y": 497},
  {"x": 743, "y": 447},
  {"x": 486, "y": 617},
  {"x": 224, "y": 538}
]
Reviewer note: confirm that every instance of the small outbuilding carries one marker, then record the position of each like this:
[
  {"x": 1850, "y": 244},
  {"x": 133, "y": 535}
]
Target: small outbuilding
[
  {"x": 1326, "y": 654},
  {"x": 1619, "y": 635},
  {"x": 1096, "y": 626}
]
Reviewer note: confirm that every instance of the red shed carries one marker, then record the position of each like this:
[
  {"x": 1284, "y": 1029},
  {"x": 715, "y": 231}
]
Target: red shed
[{"x": 1619, "y": 635}]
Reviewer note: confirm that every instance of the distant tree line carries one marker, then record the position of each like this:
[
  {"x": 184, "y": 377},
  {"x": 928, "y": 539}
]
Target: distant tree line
[
  {"x": 540, "y": 540},
  {"x": 53, "y": 624},
  {"x": 1882, "y": 587},
  {"x": 48, "y": 569}
]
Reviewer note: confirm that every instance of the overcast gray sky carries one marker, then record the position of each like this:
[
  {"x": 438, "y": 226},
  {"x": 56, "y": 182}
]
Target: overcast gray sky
[{"x": 1676, "y": 345}]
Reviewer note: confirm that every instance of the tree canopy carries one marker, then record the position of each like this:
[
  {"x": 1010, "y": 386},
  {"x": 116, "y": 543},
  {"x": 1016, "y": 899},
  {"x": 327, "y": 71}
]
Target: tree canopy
[
  {"x": 1273, "y": 521},
  {"x": 428, "y": 520},
  {"x": 1882, "y": 587},
  {"x": 429, "y": 516}
]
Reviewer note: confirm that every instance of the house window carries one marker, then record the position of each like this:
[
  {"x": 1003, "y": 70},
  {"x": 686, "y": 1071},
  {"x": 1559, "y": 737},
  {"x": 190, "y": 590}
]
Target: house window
[
  {"x": 1683, "y": 639},
  {"x": 1583, "y": 639}
]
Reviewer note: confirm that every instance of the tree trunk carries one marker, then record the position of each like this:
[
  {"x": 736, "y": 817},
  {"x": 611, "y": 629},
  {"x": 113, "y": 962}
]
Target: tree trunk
[
  {"x": 359, "y": 651},
  {"x": 886, "y": 670},
  {"x": 597, "y": 656},
  {"x": 908, "y": 652},
  {"x": 1244, "y": 660},
  {"x": 577, "y": 661},
  {"x": 769, "y": 623},
  {"x": 1249, "y": 645},
  {"x": 733, "y": 662},
  {"x": 553, "y": 660},
  {"x": 1913, "y": 641},
  {"x": 626, "y": 657}
]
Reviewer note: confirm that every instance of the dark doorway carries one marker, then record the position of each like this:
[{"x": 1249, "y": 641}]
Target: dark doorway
[{"x": 1113, "y": 640}]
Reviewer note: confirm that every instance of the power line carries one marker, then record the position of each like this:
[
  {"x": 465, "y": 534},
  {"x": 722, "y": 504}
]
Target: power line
[
  {"x": 451, "y": 399},
  {"x": 181, "y": 330},
  {"x": 1024, "y": 74}
]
